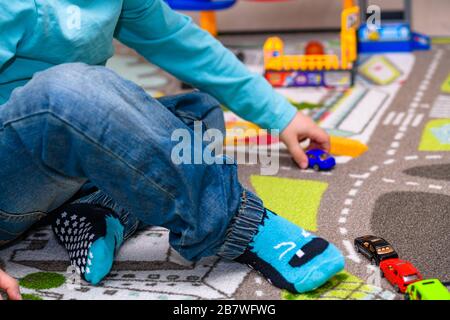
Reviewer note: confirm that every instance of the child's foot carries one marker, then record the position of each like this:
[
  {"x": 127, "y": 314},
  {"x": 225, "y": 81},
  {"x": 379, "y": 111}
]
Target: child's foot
[
  {"x": 91, "y": 234},
  {"x": 290, "y": 257}
]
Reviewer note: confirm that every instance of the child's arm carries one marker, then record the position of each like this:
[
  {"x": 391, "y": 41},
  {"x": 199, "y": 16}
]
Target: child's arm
[
  {"x": 173, "y": 42},
  {"x": 14, "y": 26},
  {"x": 9, "y": 285}
]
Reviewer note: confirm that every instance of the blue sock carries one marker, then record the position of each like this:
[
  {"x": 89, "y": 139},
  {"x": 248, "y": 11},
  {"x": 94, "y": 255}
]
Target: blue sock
[
  {"x": 289, "y": 257},
  {"x": 91, "y": 235}
]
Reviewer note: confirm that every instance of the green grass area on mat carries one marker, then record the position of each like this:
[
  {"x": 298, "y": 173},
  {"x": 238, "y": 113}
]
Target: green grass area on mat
[
  {"x": 305, "y": 105},
  {"x": 27, "y": 296},
  {"x": 342, "y": 286},
  {"x": 42, "y": 280},
  {"x": 430, "y": 141},
  {"x": 440, "y": 40},
  {"x": 294, "y": 199},
  {"x": 445, "y": 87}
]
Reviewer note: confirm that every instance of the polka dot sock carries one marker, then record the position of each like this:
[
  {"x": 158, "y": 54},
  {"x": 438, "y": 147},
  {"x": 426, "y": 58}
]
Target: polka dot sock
[
  {"x": 289, "y": 257},
  {"x": 91, "y": 235}
]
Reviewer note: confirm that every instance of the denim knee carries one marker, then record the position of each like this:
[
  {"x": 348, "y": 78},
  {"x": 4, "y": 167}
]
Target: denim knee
[
  {"x": 196, "y": 106},
  {"x": 76, "y": 92},
  {"x": 212, "y": 115},
  {"x": 59, "y": 90}
]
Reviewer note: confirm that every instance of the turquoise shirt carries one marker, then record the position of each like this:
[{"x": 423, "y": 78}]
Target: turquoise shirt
[{"x": 38, "y": 34}]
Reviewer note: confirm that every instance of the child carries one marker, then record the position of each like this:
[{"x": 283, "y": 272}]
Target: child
[{"x": 78, "y": 140}]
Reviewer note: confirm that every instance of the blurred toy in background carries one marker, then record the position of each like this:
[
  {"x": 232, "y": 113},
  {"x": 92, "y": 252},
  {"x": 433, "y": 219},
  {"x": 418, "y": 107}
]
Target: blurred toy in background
[
  {"x": 320, "y": 160},
  {"x": 244, "y": 133},
  {"x": 207, "y": 10},
  {"x": 392, "y": 34},
  {"x": 314, "y": 48},
  {"x": 393, "y": 37},
  {"x": 342, "y": 146},
  {"x": 315, "y": 68}
]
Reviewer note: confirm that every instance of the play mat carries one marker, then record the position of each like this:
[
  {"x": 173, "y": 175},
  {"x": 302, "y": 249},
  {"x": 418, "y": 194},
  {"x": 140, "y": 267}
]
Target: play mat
[{"x": 391, "y": 134}]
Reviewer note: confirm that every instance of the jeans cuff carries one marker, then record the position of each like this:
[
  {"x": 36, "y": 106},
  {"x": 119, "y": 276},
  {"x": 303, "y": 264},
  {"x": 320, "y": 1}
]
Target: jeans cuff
[
  {"x": 129, "y": 222},
  {"x": 243, "y": 226}
]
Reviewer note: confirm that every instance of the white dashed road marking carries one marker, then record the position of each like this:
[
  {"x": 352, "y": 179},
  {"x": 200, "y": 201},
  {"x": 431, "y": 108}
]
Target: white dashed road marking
[
  {"x": 418, "y": 120},
  {"x": 398, "y": 118},
  {"x": 391, "y": 152},
  {"x": 389, "y": 118},
  {"x": 433, "y": 157},
  {"x": 441, "y": 107},
  {"x": 358, "y": 183},
  {"x": 352, "y": 255},
  {"x": 360, "y": 176},
  {"x": 407, "y": 120},
  {"x": 348, "y": 202}
]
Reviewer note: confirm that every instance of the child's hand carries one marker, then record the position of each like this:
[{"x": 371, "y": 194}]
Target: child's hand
[
  {"x": 10, "y": 285},
  {"x": 300, "y": 129}
]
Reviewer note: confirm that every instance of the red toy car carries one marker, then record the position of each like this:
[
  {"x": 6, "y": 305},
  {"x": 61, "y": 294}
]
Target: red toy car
[{"x": 399, "y": 273}]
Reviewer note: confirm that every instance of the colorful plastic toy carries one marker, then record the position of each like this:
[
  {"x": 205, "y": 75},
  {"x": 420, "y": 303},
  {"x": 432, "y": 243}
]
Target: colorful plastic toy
[
  {"x": 315, "y": 69},
  {"x": 392, "y": 36},
  {"x": 314, "y": 47},
  {"x": 207, "y": 10},
  {"x": 429, "y": 289},
  {"x": 399, "y": 273},
  {"x": 375, "y": 249},
  {"x": 342, "y": 146},
  {"x": 320, "y": 160}
]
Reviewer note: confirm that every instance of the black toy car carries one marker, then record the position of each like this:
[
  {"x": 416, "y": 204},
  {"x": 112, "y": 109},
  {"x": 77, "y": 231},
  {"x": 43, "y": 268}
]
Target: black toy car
[{"x": 375, "y": 248}]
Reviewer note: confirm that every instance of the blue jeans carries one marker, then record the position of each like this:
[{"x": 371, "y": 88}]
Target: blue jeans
[{"x": 77, "y": 127}]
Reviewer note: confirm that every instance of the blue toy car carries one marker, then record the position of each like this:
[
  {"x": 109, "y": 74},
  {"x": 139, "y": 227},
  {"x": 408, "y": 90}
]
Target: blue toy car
[{"x": 320, "y": 160}]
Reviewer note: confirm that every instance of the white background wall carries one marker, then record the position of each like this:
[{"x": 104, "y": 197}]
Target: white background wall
[{"x": 431, "y": 17}]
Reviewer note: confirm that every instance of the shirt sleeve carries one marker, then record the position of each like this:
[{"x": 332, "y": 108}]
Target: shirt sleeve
[
  {"x": 173, "y": 42},
  {"x": 15, "y": 17}
]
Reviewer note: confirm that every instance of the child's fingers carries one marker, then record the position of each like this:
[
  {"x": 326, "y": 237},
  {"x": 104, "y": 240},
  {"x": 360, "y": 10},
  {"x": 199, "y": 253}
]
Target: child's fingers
[
  {"x": 297, "y": 152},
  {"x": 320, "y": 140},
  {"x": 10, "y": 285}
]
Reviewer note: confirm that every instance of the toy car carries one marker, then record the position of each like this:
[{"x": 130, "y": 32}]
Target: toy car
[
  {"x": 429, "y": 289},
  {"x": 320, "y": 160},
  {"x": 375, "y": 249},
  {"x": 399, "y": 273}
]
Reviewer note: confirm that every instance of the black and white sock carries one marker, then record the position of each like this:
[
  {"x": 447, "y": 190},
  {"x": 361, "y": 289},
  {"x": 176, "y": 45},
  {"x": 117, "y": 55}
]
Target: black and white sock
[{"x": 91, "y": 234}]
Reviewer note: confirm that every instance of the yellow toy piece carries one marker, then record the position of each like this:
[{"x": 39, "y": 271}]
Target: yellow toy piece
[
  {"x": 341, "y": 146},
  {"x": 208, "y": 22},
  {"x": 373, "y": 35},
  {"x": 276, "y": 60},
  {"x": 237, "y": 131}
]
